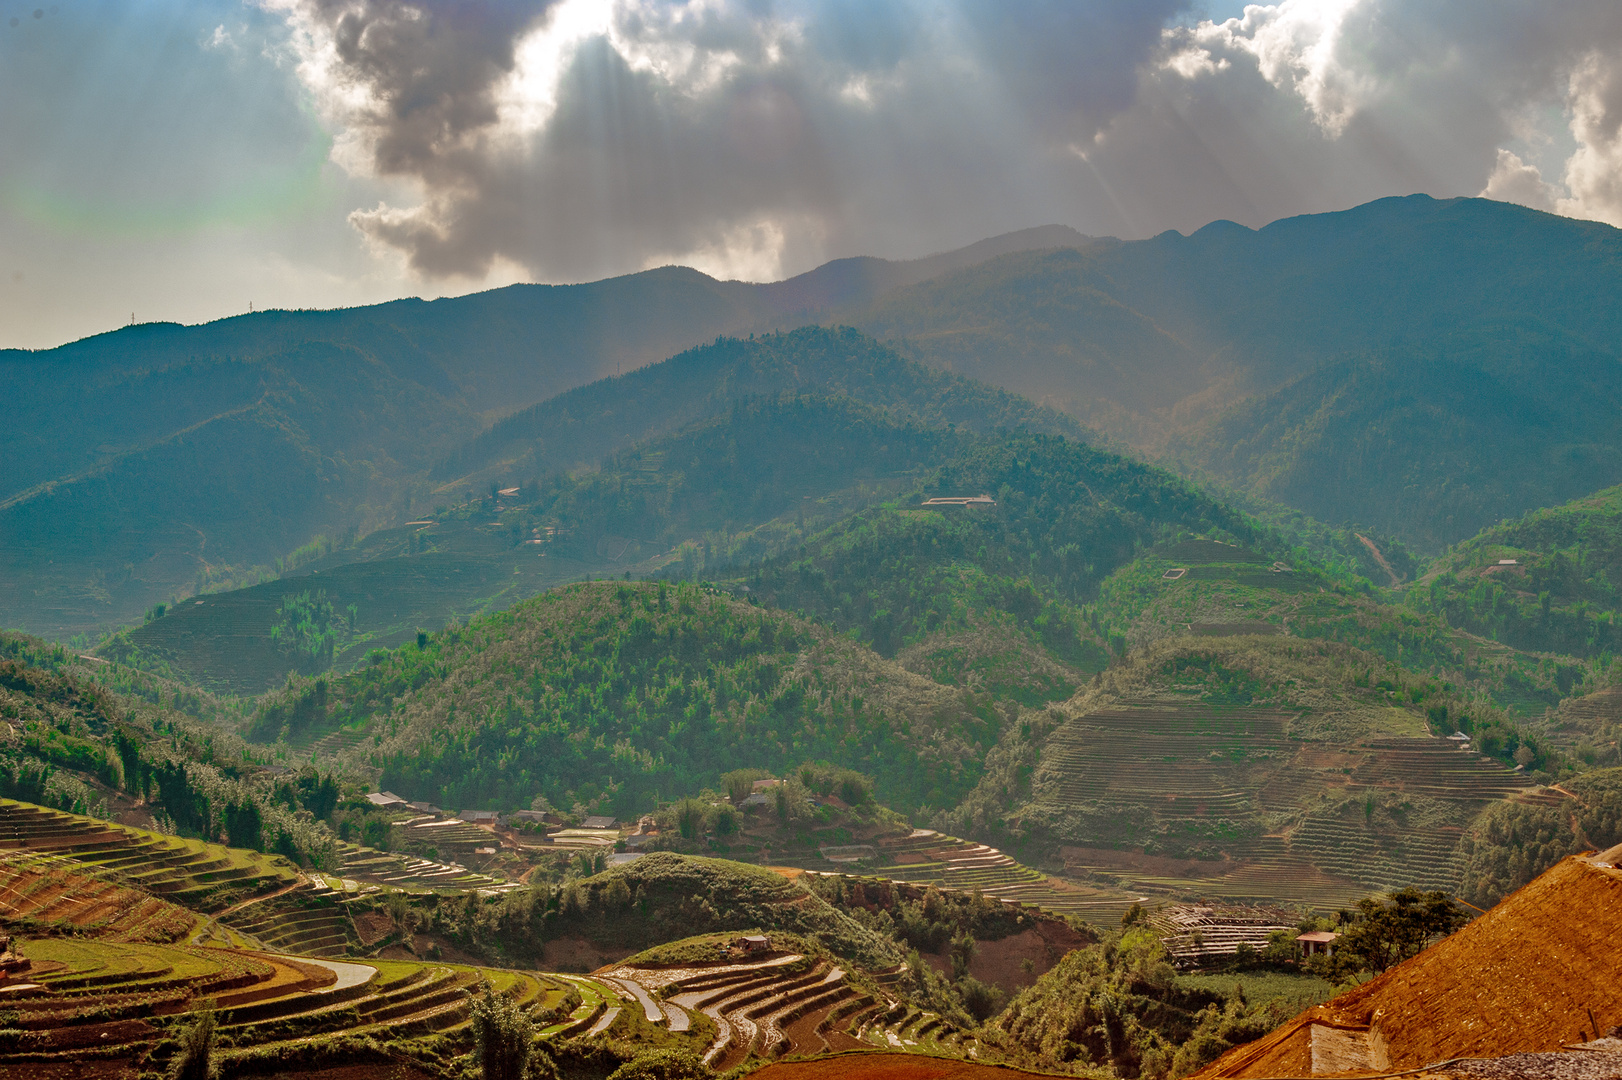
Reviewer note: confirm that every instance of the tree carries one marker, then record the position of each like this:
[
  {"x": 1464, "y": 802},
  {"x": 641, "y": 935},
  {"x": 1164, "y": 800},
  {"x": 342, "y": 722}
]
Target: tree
[
  {"x": 690, "y": 814},
  {"x": 502, "y": 1036},
  {"x": 195, "y": 1061},
  {"x": 1387, "y": 933},
  {"x": 740, "y": 783}
]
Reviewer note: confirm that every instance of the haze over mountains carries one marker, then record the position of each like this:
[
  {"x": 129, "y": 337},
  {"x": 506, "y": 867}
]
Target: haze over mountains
[{"x": 1420, "y": 367}]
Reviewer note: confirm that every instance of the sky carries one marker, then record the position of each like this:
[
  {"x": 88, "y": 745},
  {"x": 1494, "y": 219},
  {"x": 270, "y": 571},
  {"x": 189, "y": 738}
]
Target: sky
[{"x": 185, "y": 159}]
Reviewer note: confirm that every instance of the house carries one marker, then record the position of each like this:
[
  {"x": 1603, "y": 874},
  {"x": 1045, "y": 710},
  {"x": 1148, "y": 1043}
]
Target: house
[
  {"x": 385, "y": 798},
  {"x": 752, "y": 801},
  {"x": 752, "y": 943},
  {"x": 425, "y": 808},
  {"x": 533, "y": 817},
  {"x": 599, "y": 821},
  {"x": 480, "y": 817},
  {"x": 1317, "y": 941},
  {"x": 763, "y": 785},
  {"x": 961, "y": 500}
]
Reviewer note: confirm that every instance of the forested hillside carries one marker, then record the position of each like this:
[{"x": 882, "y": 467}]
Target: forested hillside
[
  {"x": 1418, "y": 365},
  {"x": 584, "y": 425},
  {"x": 1548, "y": 580},
  {"x": 607, "y": 694}
]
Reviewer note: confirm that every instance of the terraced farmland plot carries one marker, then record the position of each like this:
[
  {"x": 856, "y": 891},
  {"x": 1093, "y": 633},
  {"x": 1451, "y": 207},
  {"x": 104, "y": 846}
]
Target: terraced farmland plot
[
  {"x": 92, "y": 1000},
  {"x": 202, "y": 876},
  {"x": 310, "y": 919},
  {"x": 1262, "y": 816},
  {"x": 412, "y": 874},
  {"x": 775, "y": 1006},
  {"x": 927, "y": 857},
  {"x": 41, "y": 891}
]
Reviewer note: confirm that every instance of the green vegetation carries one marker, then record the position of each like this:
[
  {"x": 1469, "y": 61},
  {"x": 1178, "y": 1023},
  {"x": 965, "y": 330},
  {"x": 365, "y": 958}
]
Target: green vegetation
[
  {"x": 1512, "y": 843},
  {"x": 502, "y": 1036},
  {"x": 1544, "y": 582},
  {"x": 1120, "y": 1005},
  {"x": 608, "y": 694},
  {"x": 665, "y": 897}
]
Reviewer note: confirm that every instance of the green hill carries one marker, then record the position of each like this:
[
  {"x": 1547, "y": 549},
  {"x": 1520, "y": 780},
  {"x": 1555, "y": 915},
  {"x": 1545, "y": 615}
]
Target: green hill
[
  {"x": 1066, "y": 516},
  {"x": 757, "y": 479},
  {"x": 1545, "y": 581},
  {"x": 587, "y": 424},
  {"x": 611, "y": 693},
  {"x": 1261, "y": 768}
]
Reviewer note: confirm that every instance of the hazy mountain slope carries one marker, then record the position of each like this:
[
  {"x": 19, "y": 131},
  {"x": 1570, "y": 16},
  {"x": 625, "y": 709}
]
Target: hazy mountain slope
[
  {"x": 323, "y": 441},
  {"x": 584, "y": 425},
  {"x": 1149, "y": 339},
  {"x": 747, "y": 483},
  {"x": 1432, "y": 442},
  {"x": 1039, "y": 325}
]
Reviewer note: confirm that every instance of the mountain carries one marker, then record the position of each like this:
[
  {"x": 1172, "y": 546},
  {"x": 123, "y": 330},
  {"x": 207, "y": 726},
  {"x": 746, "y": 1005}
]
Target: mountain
[
  {"x": 1304, "y": 360},
  {"x": 608, "y": 694},
  {"x": 754, "y": 469},
  {"x": 582, "y": 426}
]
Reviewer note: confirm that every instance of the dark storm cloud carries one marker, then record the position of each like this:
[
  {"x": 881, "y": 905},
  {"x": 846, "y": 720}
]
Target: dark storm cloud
[
  {"x": 576, "y": 139},
  {"x": 749, "y": 132}
]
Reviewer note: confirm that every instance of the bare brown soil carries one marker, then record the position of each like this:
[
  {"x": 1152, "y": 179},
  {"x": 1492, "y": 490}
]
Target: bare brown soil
[
  {"x": 888, "y": 1066},
  {"x": 388, "y": 1070},
  {"x": 114, "y": 912},
  {"x": 1156, "y": 865},
  {"x": 1536, "y": 973},
  {"x": 1002, "y": 962},
  {"x": 71, "y": 1070},
  {"x": 373, "y": 926},
  {"x": 578, "y": 954}
]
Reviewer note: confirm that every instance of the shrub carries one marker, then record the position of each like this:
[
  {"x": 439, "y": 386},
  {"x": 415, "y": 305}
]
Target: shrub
[
  {"x": 662, "y": 1065},
  {"x": 502, "y": 1037},
  {"x": 195, "y": 1061}
]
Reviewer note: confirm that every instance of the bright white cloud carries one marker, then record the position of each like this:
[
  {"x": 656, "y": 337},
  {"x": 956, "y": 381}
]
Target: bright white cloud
[
  {"x": 1516, "y": 181},
  {"x": 1594, "y": 172}
]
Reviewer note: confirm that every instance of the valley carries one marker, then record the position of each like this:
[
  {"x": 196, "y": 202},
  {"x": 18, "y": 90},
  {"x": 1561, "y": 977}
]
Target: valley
[{"x": 999, "y": 658}]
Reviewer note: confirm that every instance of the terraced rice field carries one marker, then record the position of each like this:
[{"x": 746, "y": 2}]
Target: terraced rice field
[
  {"x": 1197, "y": 933},
  {"x": 927, "y": 857},
  {"x": 890, "y": 1066},
  {"x": 774, "y": 1006},
  {"x": 412, "y": 874},
  {"x": 42, "y": 891},
  {"x": 96, "y": 1000},
  {"x": 202, "y": 876},
  {"x": 311, "y": 919},
  {"x": 1233, "y": 773}
]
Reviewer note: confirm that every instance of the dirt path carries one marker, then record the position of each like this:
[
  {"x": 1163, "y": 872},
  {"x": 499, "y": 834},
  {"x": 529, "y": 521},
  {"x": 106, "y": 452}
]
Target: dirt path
[
  {"x": 1392, "y": 574},
  {"x": 284, "y": 890}
]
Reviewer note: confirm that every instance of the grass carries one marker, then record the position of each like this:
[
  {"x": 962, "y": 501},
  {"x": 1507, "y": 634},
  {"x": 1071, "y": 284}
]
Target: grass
[{"x": 1296, "y": 992}]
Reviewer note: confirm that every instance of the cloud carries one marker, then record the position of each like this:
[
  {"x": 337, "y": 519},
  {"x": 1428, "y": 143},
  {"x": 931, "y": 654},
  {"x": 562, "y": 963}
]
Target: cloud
[
  {"x": 587, "y": 137},
  {"x": 1594, "y": 172},
  {"x": 1513, "y": 180},
  {"x": 570, "y": 139}
]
